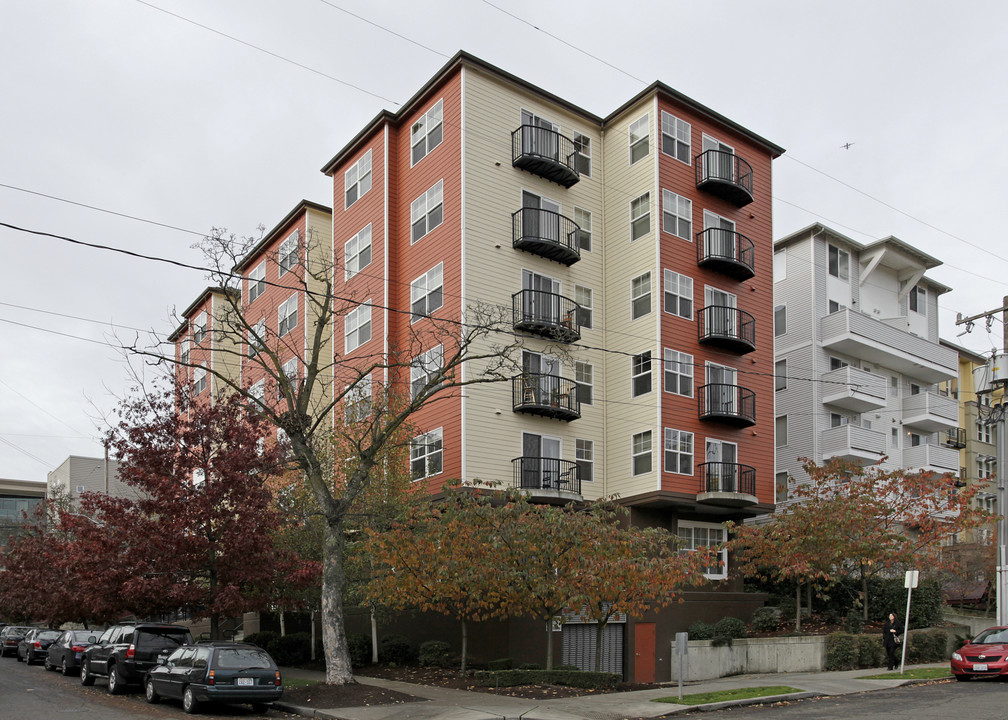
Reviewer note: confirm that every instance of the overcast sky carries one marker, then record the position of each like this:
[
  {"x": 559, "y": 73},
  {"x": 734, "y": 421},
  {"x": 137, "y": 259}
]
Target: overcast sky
[{"x": 197, "y": 114}]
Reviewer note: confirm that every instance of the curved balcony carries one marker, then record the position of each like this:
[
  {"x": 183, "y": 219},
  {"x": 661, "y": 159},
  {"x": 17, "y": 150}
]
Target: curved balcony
[
  {"x": 546, "y": 314},
  {"x": 727, "y": 252},
  {"x": 547, "y": 234},
  {"x": 727, "y": 484},
  {"x": 726, "y": 175},
  {"x": 730, "y": 404},
  {"x": 545, "y": 395},
  {"x": 727, "y": 328},
  {"x": 546, "y": 478},
  {"x": 546, "y": 153}
]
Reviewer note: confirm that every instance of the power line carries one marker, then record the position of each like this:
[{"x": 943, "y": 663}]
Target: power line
[
  {"x": 21, "y": 450},
  {"x": 75, "y": 317},
  {"x": 385, "y": 29}
]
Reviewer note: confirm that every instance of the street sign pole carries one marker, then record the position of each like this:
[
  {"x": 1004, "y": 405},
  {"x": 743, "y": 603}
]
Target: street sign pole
[{"x": 910, "y": 582}]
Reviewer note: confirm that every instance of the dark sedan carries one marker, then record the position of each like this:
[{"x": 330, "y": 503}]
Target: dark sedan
[
  {"x": 65, "y": 652},
  {"x": 10, "y": 636},
  {"x": 36, "y": 644}
]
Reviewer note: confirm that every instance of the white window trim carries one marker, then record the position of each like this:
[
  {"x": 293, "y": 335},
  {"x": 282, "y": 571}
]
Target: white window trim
[
  {"x": 439, "y": 433},
  {"x": 634, "y": 455},
  {"x": 354, "y": 259},
  {"x": 640, "y": 282},
  {"x": 665, "y": 283},
  {"x": 675, "y": 137},
  {"x": 284, "y": 312},
  {"x": 425, "y": 119},
  {"x": 357, "y": 400},
  {"x": 589, "y": 307},
  {"x": 646, "y": 137},
  {"x": 200, "y": 328},
  {"x": 288, "y": 248},
  {"x": 721, "y": 554},
  {"x": 432, "y": 193},
  {"x": 586, "y": 460},
  {"x": 591, "y": 238},
  {"x": 783, "y": 308},
  {"x": 588, "y": 155},
  {"x": 427, "y": 289},
  {"x": 357, "y": 182},
  {"x": 200, "y": 382},
  {"x": 692, "y": 454},
  {"x": 669, "y": 197},
  {"x": 591, "y": 382},
  {"x": 681, "y": 363},
  {"x": 634, "y": 374},
  {"x": 257, "y": 281},
  {"x": 424, "y": 365},
  {"x": 647, "y": 214},
  {"x": 354, "y": 320}
]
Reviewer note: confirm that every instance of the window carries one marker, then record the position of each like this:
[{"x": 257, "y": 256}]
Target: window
[
  {"x": 678, "y": 294},
  {"x": 184, "y": 352},
  {"x": 357, "y": 401},
  {"x": 427, "y": 211},
  {"x": 641, "y": 453},
  {"x": 257, "y": 391},
  {"x": 781, "y": 482},
  {"x": 199, "y": 331},
  {"x": 918, "y": 300},
  {"x": 839, "y": 262},
  {"x": 199, "y": 379},
  {"x": 425, "y": 455},
  {"x": 780, "y": 431},
  {"x": 894, "y": 387},
  {"x": 584, "y": 378},
  {"x": 257, "y": 338},
  {"x": 838, "y": 420},
  {"x": 582, "y": 157},
  {"x": 676, "y": 135},
  {"x": 780, "y": 265},
  {"x": 583, "y": 219},
  {"x": 639, "y": 132},
  {"x": 678, "y": 372},
  {"x": 357, "y": 180},
  {"x": 640, "y": 216},
  {"x": 583, "y": 297},
  {"x": 357, "y": 253},
  {"x": 915, "y": 389},
  {"x": 677, "y": 215},
  {"x": 641, "y": 374},
  {"x": 915, "y": 440},
  {"x": 780, "y": 375},
  {"x": 640, "y": 296},
  {"x": 678, "y": 452},
  {"x": 779, "y": 320},
  {"x": 257, "y": 281},
  {"x": 426, "y": 133},
  {"x": 357, "y": 327},
  {"x": 983, "y": 432},
  {"x": 287, "y": 258},
  {"x": 426, "y": 293},
  {"x": 584, "y": 457},
  {"x": 836, "y": 363},
  {"x": 287, "y": 315},
  {"x": 834, "y": 306},
  {"x": 695, "y": 535},
  {"x": 895, "y": 439},
  {"x": 290, "y": 371},
  {"x": 424, "y": 368}
]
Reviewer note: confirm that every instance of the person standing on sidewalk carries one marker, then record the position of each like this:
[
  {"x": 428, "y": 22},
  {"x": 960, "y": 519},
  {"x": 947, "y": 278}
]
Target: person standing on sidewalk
[{"x": 891, "y": 640}]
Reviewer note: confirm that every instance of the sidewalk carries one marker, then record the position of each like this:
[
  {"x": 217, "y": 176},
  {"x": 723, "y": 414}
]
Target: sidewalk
[{"x": 462, "y": 705}]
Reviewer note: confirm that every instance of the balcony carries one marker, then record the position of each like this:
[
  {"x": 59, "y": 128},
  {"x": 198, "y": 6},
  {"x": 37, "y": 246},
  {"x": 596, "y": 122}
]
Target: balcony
[
  {"x": 853, "y": 333},
  {"x": 729, "y": 404},
  {"x": 546, "y": 478},
  {"x": 853, "y": 444},
  {"x": 546, "y": 314},
  {"x": 547, "y": 234},
  {"x": 727, "y": 252},
  {"x": 930, "y": 412},
  {"x": 853, "y": 389},
  {"x": 727, "y": 328},
  {"x": 954, "y": 438},
  {"x": 545, "y": 395},
  {"x": 726, "y": 175},
  {"x": 727, "y": 484},
  {"x": 546, "y": 153},
  {"x": 931, "y": 458}
]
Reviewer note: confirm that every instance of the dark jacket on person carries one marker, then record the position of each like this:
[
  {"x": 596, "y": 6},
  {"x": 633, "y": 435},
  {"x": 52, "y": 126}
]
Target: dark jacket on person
[{"x": 890, "y": 631}]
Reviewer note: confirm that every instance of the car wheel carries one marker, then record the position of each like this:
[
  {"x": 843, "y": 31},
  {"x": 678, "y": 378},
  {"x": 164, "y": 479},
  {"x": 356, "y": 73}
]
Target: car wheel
[
  {"x": 114, "y": 681},
  {"x": 150, "y": 692},
  {"x": 188, "y": 700},
  {"x": 29, "y": 657},
  {"x": 48, "y": 665},
  {"x": 963, "y": 677},
  {"x": 63, "y": 667},
  {"x": 86, "y": 678}
]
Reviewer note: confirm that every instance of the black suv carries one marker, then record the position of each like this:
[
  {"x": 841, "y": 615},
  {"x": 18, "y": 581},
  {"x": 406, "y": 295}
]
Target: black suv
[{"x": 125, "y": 652}]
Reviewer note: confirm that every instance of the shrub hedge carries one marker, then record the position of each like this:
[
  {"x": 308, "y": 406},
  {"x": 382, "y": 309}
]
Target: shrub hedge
[
  {"x": 845, "y": 651},
  {"x": 435, "y": 653},
  {"x": 396, "y": 650},
  {"x": 765, "y": 619},
  {"x": 571, "y": 678},
  {"x": 359, "y": 649},
  {"x": 700, "y": 631}
]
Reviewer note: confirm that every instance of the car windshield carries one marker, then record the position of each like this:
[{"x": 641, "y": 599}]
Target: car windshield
[
  {"x": 163, "y": 639},
  {"x": 242, "y": 659},
  {"x": 991, "y": 637}
]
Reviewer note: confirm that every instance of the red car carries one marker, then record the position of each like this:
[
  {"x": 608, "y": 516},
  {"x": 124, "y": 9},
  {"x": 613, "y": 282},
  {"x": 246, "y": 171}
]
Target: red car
[{"x": 985, "y": 656}]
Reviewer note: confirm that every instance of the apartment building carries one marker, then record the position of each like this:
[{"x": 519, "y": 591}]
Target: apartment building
[
  {"x": 204, "y": 346},
  {"x": 858, "y": 356},
  {"x": 18, "y": 499},
  {"x": 78, "y": 474},
  {"x": 632, "y": 253}
]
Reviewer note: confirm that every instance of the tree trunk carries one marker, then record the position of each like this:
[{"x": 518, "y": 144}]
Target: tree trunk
[
  {"x": 465, "y": 644},
  {"x": 600, "y": 626},
  {"x": 313, "y": 635},
  {"x": 283, "y": 625},
  {"x": 864, "y": 596},
  {"x": 338, "y": 668},
  {"x": 808, "y": 599},
  {"x": 549, "y": 644},
  {"x": 374, "y": 637},
  {"x": 797, "y": 613}
]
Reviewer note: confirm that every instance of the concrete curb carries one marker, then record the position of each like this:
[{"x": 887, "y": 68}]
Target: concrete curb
[{"x": 304, "y": 711}]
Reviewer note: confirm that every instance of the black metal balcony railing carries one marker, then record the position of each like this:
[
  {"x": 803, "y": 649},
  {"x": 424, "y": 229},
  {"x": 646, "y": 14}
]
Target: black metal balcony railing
[
  {"x": 726, "y": 175},
  {"x": 726, "y": 251},
  {"x": 727, "y": 477},
  {"x": 546, "y": 395},
  {"x": 546, "y": 153},
  {"x": 727, "y": 403},
  {"x": 727, "y": 327},
  {"x": 546, "y": 314},
  {"x": 547, "y": 234},
  {"x": 954, "y": 438},
  {"x": 544, "y": 473}
]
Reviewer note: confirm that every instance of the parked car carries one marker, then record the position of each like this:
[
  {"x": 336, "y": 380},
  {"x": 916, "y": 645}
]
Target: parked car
[
  {"x": 10, "y": 636},
  {"x": 225, "y": 672},
  {"x": 35, "y": 644},
  {"x": 985, "y": 655},
  {"x": 125, "y": 652},
  {"x": 66, "y": 650}
]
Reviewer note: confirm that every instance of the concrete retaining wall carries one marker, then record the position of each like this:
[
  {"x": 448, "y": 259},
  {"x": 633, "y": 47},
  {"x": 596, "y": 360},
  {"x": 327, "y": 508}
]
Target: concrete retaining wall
[
  {"x": 751, "y": 655},
  {"x": 974, "y": 623}
]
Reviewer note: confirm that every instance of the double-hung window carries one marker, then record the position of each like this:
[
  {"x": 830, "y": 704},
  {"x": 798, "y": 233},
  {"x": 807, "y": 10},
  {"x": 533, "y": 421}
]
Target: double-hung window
[
  {"x": 357, "y": 401},
  {"x": 583, "y": 219},
  {"x": 583, "y": 379},
  {"x": 200, "y": 328},
  {"x": 357, "y": 253},
  {"x": 357, "y": 327},
  {"x": 427, "y": 211},
  {"x": 640, "y": 296},
  {"x": 427, "y": 132},
  {"x": 424, "y": 368},
  {"x": 290, "y": 372},
  {"x": 640, "y": 216},
  {"x": 678, "y": 452},
  {"x": 918, "y": 300},
  {"x": 641, "y": 453},
  {"x": 287, "y": 315},
  {"x": 257, "y": 338},
  {"x": 640, "y": 369},
  {"x": 257, "y": 281},
  {"x": 582, "y": 154},
  {"x": 287, "y": 258},
  {"x": 184, "y": 352},
  {"x": 583, "y": 298},
  {"x": 676, "y": 137},
  {"x": 695, "y": 535},
  {"x": 584, "y": 457},
  {"x": 839, "y": 262},
  {"x": 677, "y": 215},
  {"x": 427, "y": 292},
  {"x": 678, "y": 294},
  {"x": 357, "y": 180},
  {"x": 425, "y": 455},
  {"x": 199, "y": 379},
  {"x": 639, "y": 139},
  {"x": 678, "y": 372}
]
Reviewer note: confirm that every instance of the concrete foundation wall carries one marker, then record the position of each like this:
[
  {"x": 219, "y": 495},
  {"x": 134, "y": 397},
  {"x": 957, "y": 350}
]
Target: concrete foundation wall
[{"x": 751, "y": 655}]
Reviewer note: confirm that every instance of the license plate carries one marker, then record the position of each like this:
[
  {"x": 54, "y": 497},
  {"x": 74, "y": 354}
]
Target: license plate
[
  {"x": 251, "y": 681},
  {"x": 77, "y": 655},
  {"x": 979, "y": 667}
]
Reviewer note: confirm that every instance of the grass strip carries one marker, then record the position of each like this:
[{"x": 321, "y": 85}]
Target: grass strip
[
  {"x": 911, "y": 674},
  {"x": 295, "y": 682},
  {"x": 732, "y": 694}
]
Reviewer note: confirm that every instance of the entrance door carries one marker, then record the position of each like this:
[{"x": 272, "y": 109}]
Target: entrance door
[
  {"x": 721, "y": 381},
  {"x": 719, "y": 238},
  {"x": 541, "y": 217},
  {"x": 541, "y": 461},
  {"x": 542, "y": 297},
  {"x": 644, "y": 652},
  {"x": 720, "y": 164},
  {"x": 720, "y": 319},
  {"x": 721, "y": 466},
  {"x": 541, "y": 139}
]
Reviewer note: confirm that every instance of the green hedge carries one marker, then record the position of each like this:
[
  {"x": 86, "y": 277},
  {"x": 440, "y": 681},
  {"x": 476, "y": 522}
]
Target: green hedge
[
  {"x": 848, "y": 652},
  {"x": 926, "y": 647},
  {"x": 571, "y": 678}
]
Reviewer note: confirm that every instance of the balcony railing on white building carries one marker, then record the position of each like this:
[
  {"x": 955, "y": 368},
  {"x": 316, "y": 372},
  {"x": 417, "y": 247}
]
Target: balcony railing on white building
[
  {"x": 930, "y": 411},
  {"x": 935, "y": 458}
]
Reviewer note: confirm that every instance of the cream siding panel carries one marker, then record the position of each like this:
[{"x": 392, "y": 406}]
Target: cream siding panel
[{"x": 319, "y": 233}]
